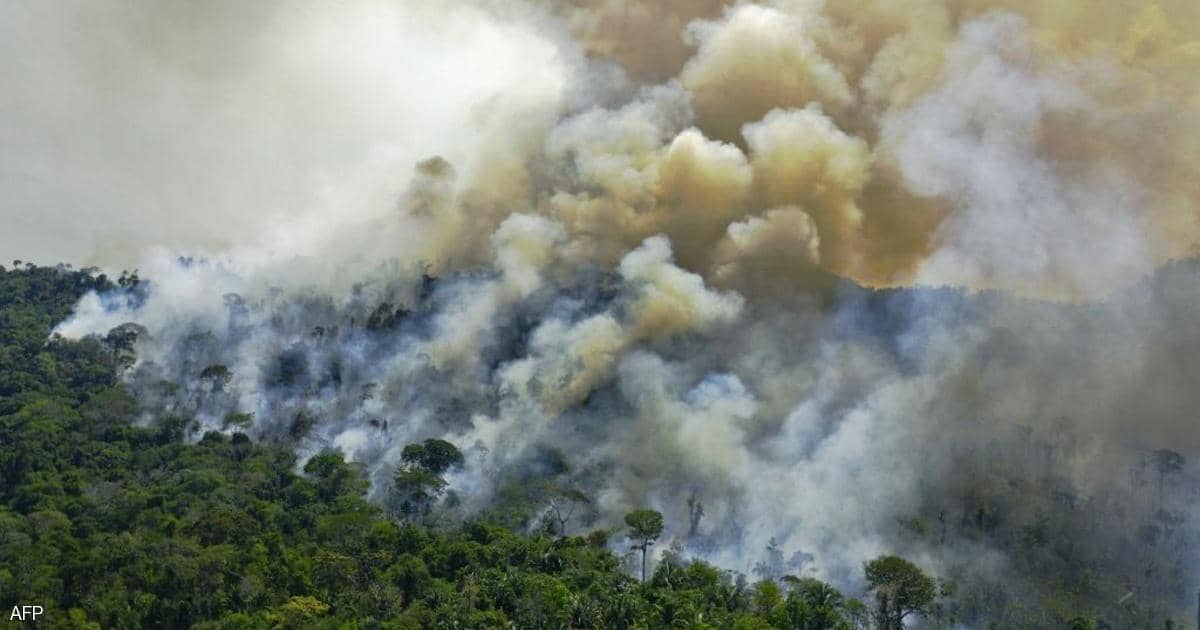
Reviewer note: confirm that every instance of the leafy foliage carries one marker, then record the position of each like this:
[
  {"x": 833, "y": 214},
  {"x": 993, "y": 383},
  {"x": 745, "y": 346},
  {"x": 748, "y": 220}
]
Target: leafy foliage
[
  {"x": 901, "y": 589},
  {"x": 111, "y": 521},
  {"x": 113, "y": 525},
  {"x": 645, "y": 526}
]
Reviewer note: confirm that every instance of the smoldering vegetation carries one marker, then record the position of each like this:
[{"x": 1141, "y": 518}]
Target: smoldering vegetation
[
  {"x": 1003, "y": 440},
  {"x": 816, "y": 280}
]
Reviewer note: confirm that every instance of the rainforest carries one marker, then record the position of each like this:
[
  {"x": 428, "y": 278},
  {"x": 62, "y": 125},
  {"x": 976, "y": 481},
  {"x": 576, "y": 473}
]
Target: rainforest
[{"x": 797, "y": 314}]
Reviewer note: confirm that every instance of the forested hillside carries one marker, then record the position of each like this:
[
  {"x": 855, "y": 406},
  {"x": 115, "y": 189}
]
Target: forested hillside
[{"x": 111, "y": 523}]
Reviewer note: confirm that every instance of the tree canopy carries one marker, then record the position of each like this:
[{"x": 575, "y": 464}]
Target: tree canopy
[
  {"x": 901, "y": 589},
  {"x": 111, "y": 521},
  {"x": 645, "y": 526}
]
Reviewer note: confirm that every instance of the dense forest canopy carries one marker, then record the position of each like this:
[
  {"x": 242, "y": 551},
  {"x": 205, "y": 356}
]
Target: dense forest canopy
[
  {"x": 110, "y": 524},
  {"x": 114, "y": 519}
]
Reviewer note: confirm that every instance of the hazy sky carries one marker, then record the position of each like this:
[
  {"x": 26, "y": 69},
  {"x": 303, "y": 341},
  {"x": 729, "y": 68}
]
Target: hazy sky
[{"x": 187, "y": 124}]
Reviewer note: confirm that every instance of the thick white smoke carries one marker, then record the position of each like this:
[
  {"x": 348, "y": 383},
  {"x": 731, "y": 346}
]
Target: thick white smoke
[
  {"x": 515, "y": 227},
  {"x": 261, "y": 127},
  {"x": 981, "y": 139}
]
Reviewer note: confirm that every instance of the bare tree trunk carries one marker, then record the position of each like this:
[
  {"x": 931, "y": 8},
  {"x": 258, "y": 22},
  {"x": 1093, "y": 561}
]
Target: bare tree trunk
[{"x": 643, "y": 564}]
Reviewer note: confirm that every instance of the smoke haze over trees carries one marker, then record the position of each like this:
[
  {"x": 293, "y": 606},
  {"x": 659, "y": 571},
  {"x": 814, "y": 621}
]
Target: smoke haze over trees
[{"x": 818, "y": 282}]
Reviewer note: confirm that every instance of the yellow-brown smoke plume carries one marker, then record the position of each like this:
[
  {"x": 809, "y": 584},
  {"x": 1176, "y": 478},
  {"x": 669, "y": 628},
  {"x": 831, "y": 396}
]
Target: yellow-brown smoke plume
[{"x": 982, "y": 144}]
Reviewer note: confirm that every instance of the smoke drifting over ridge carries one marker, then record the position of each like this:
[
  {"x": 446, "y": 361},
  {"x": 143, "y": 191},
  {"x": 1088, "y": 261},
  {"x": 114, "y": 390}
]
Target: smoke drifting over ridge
[
  {"x": 644, "y": 220},
  {"x": 221, "y": 125}
]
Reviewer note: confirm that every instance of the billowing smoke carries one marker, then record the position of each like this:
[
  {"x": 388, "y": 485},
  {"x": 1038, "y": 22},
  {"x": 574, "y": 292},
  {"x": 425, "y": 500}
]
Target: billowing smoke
[
  {"x": 221, "y": 125},
  {"x": 647, "y": 248}
]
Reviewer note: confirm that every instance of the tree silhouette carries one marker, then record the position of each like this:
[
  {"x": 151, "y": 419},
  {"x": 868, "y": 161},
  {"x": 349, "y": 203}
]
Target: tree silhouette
[
  {"x": 900, "y": 588},
  {"x": 645, "y": 526},
  {"x": 418, "y": 482},
  {"x": 563, "y": 503}
]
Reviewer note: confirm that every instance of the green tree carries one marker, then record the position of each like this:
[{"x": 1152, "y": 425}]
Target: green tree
[
  {"x": 215, "y": 377},
  {"x": 645, "y": 526},
  {"x": 901, "y": 589},
  {"x": 810, "y": 605},
  {"x": 415, "y": 490},
  {"x": 334, "y": 477},
  {"x": 434, "y": 455},
  {"x": 120, "y": 342},
  {"x": 417, "y": 484}
]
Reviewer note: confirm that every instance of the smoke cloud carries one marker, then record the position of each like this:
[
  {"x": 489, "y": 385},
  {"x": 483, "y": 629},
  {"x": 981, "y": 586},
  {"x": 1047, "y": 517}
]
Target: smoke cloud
[
  {"x": 859, "y": 276},
  {"x": 219, "y": 125}
]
